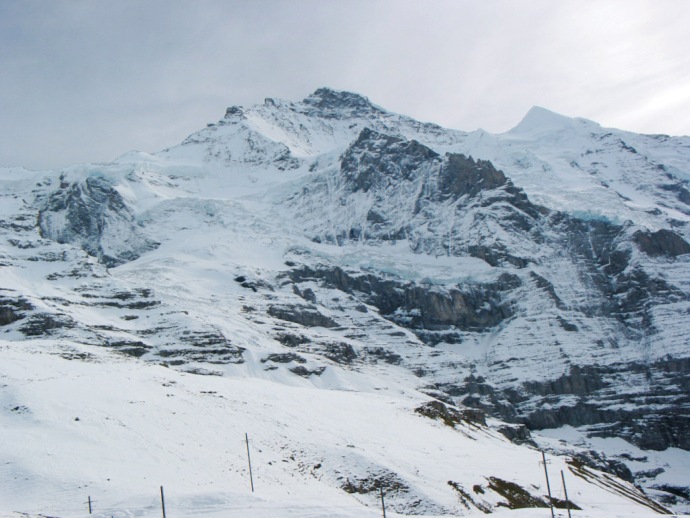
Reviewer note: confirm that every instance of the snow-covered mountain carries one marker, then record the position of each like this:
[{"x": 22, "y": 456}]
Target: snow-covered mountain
[{"x": 380, "y": 303}]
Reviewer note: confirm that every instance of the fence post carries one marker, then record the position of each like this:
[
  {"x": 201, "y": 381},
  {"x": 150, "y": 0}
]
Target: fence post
[
  {"x": 163, "y": 501},
  {"x": 383, "y": 502},
  {"x": 548, "y": 486},
  {"x": 249, "y": 460},
  {"x": 565, "y": 490}
]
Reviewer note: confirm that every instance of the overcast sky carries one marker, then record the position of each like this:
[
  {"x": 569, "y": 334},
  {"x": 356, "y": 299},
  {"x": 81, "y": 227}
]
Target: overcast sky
[{"x": 85, "y": 81}]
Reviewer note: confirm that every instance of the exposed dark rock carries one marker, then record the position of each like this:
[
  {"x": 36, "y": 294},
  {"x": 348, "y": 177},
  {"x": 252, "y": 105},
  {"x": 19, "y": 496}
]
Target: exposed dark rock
[
  {"x": 517, "y": 434},
  {"x": 596, "y": 460},
  {"x": 234, "y": 112},
  {"x": 393, "y": 172},
  {"x": 663, "y": 242},
  {"x": 19, "y": 224},
  {"x": 620, "y": 414},
  {"x": 40, "y": 324},
  {"x": 683, "y": 492},
  {"x": 462, "y": 176},
  {"x": 253, "y": 285},
  {"x": 82, "y": 213},
  {"x": 387, "y": 480},
  {"x": 134, "y": 348},
  {"x": 219, "y": 355},
  {"x": 305, "y": 316},
  {"x": 339, "y": 352},
  {"x": 496, "y": 255},
  {"x": 384, "y": 355},
  {"x": 422, "y": 307},
  {"x": 451, "y": 416},
  {"x": 649, "y": 473},
  {"x": 301, "y": 370},
  {"x": 567, "y": 326},
  {"x": 242, "y": 280},
  {"x": 373, "y": 162},
  {"x": 283, "y": 358},
  {"x": 330, "y": 104},
  {"x": 12, "y": 308},
  {"x": 292, "y": 340},
  {"x": 673, "y": 495},
  {"x": 599, "y": 242},
  {"x": 307, "y": 294},
  {"x": 548, "y": 288},
  {"x": 643, "y": 417},
  {"x": 137, "y": 304},
  {"x": 517, "y": 497},
  {"x": 580, "y": 381},
  {"x": 375, "y": 217},
  {"x": 23, "y": 245},
  {"x": 467, "y": 500},
  {"x": 580, "y": 469},
  {"x": 206, "y": 339}
]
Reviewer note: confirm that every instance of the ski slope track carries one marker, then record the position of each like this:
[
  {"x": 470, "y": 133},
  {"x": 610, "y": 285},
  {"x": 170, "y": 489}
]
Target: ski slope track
[{"x": 382, "y": 306}]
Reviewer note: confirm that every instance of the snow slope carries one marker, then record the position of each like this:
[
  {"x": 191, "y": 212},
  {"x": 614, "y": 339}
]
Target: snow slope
[{"x": 115, "y": 429}]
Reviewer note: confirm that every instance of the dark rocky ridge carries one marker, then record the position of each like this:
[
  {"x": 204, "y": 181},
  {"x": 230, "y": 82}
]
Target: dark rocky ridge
[
  {"x": 421, "y": 308},
  {"x": 661, "y": 243},
  {"x": 642, "y": 416},
  {"x": 329, "y": 103},
  {"x": 402, "y": 190},
  {"x": 373, "y": 161}
]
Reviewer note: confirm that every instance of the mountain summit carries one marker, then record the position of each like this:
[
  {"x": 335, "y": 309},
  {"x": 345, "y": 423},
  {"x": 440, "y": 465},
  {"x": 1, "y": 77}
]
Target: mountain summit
[
  {"x": 539, "y": 120},
  {"x": 374, "y": 305},
  {"x": 327, "y": 99}
]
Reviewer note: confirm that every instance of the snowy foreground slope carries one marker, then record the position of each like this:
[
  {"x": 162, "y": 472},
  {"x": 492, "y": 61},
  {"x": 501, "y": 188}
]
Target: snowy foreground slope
[
  {"x": 100, "y": 425},
  {"x": 380, "y": 304}
]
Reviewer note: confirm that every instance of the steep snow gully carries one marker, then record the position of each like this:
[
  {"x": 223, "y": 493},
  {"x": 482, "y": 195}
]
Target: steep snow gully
[{"x": 390, "y": 311}]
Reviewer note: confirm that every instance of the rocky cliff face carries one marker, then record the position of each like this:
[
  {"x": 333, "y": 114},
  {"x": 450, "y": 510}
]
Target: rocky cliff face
[
  {"x": 92, "y": 215},
  {"x": 531, "y": 275},
  {"x": 391, "y": 189}
]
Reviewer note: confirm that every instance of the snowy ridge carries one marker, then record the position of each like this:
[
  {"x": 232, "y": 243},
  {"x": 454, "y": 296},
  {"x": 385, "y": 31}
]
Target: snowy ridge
[{"x": 313, "y": 272}]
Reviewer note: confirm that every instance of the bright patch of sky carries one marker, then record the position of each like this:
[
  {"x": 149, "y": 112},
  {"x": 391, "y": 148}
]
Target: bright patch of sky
[{"x": 88, "y": 81}]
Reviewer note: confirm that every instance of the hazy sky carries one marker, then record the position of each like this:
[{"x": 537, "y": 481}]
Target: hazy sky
[{"x": 85, "y": 81}]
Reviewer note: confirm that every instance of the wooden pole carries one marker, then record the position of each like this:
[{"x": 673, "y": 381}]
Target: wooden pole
[
  {"x": 383, "y": 503},
  {"x": 548, "y": 486},
  {"x": 90, "y": 506},
  {"x": 163, "y": 501},
  {"x": 249, "y": 460},
  {"x": 565, "y": 490}
]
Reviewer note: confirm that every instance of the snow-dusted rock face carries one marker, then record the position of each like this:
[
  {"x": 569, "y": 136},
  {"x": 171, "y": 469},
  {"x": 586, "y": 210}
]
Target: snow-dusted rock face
[
  {"x": 539, "y": 277},
  {"x": 92, "y": 215},
  {"x": 390, "y": 189}
]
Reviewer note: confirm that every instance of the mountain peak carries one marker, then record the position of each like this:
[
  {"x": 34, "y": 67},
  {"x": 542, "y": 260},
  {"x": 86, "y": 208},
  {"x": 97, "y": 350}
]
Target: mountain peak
[
  {"x": 540, "y": 120},
  {"x": 328, "y": 99},
  {"x": 234, "y": 112}
]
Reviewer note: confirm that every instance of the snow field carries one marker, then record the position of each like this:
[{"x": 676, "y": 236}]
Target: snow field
[{"x": 116, "y": 429}]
